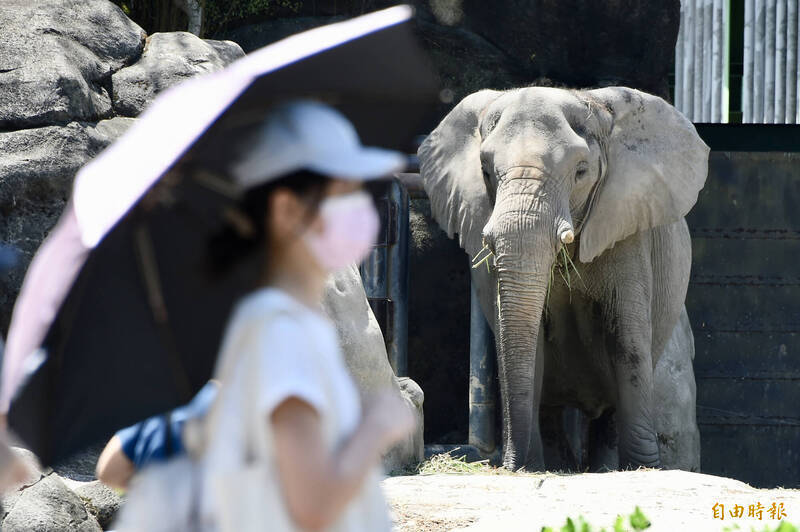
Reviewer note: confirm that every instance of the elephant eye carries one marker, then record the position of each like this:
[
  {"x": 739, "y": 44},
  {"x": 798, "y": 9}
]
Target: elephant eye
[
  {"x": 487, "y": 181},
  {"x": 581, "y": 170}
]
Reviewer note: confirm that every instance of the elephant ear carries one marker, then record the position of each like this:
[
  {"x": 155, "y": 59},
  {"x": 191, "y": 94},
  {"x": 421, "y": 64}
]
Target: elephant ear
[
  {"x": 657, "y": 165},
  {"x": 450, "y": 166}
]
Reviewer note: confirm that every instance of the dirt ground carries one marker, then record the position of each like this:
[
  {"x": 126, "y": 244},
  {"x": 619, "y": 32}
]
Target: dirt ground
[{"x": 674, "y": 501}]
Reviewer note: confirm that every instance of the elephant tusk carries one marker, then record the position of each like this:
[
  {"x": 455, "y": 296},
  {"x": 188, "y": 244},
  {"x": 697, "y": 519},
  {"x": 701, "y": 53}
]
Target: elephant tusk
[{"x": 568, "y": 236}]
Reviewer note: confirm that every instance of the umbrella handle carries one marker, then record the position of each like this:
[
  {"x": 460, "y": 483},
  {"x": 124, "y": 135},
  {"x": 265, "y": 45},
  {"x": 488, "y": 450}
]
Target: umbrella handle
[{"x": 148, "y": 270}]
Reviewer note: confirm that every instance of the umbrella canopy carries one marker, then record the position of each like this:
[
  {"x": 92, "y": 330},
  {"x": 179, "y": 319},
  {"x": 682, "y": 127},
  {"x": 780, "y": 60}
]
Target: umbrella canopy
[{"x": 118, "y": 318}]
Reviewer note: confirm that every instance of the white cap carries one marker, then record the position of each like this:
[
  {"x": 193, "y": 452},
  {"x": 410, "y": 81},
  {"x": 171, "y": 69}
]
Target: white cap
[{"x": 307, "y": 135}]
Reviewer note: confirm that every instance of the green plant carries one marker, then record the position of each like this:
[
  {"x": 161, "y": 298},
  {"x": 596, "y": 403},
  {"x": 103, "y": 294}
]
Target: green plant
[{"x": 637, "y": 521}]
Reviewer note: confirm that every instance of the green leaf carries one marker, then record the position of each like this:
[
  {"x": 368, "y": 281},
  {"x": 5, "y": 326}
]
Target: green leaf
[
  {"x": 618, "y": 524},
  {"x": 638, "y": 520},
  {"x": 569, "y": 527}
]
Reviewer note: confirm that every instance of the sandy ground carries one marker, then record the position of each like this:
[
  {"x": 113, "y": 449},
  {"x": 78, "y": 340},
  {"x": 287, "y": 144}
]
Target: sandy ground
[{"x": 672, "y": 500}]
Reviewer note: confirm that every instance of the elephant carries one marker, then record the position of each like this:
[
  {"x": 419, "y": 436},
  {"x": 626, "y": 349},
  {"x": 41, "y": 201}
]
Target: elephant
[{"x": 572, "y": 204}]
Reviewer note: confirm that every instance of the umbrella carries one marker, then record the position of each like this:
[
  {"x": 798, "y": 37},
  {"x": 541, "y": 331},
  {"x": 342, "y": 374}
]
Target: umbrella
[{"x": 117, "y": 318}]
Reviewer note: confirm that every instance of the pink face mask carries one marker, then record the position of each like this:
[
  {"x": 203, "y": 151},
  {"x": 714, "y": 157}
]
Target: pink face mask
[{"x": 350, "y": 227}]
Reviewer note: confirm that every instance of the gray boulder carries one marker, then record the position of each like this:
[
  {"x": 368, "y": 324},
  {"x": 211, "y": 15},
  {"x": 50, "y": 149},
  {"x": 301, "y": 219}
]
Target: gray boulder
[
  {"x": 100, "y": 500},
  {"x": 56, "y": 59},
  {"x": 35, "y": 474},
  {"x": 362, "y": 342},
  {"x": 411, "y": 451},
  {"x": 168, "y": 58},
  {"x": 49, "y": 506},
  {"x": 36, "y": 172},
  {"x": 43, "y": 502}
]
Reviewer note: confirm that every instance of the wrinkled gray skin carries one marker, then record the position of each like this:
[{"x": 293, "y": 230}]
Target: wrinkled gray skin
[{"x": 608, "y": 175}]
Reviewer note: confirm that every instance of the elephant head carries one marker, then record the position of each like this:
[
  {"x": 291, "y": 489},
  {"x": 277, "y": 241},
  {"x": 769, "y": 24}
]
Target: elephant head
[{"x": 527, "y": 171}]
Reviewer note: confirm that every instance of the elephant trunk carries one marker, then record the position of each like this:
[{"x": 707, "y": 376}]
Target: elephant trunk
[
  {"x": 525, "y": 236},
  {"x": 521, "y": 299}
]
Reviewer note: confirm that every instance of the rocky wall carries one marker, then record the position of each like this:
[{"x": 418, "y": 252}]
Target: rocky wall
[{"x": 71, "y": 77}]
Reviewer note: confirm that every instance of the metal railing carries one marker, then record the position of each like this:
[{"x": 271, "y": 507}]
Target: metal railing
[
  {"x": 770, "y": 84},
  {"x": 702, "y": 60},
  {"x": 770, "y": 40}
]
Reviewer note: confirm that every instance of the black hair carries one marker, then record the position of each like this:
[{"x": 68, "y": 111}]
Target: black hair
[{"x": 232, "y": 244}]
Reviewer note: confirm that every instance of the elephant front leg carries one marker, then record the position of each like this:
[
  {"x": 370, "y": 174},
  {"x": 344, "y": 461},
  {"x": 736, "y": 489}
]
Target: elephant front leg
[
  {"x": 633, "y": 366},
  {"x": 638, "y": 442}
]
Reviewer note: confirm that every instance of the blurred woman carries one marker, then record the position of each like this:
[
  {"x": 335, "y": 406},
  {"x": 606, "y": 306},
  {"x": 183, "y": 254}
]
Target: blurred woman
[{"x": 287, "y": 407}]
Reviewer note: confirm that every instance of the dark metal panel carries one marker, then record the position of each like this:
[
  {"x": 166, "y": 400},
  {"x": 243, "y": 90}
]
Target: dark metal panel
[
  {"x": 385, "y": 272},
  {"x": 744, "y": 304},
  {"x": 756, "y": 354},
  {"x": 744, "y": 401},
  {"x": 761, "y": 451},
  {"x": 755, "y": 258},
  {"x": 731, "y": 307}
]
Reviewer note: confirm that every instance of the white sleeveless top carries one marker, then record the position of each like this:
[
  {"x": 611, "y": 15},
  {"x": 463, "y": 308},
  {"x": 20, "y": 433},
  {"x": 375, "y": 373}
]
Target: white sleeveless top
[{"x": 276, "y": 348}]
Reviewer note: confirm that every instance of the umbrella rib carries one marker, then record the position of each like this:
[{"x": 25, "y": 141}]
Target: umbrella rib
[{"x": 148, "y": 268}]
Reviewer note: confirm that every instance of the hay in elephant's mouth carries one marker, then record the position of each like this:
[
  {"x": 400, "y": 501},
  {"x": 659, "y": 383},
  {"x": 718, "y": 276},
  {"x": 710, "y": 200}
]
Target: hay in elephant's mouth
[
  {"x": 562, "y": 265},
  {"x": 482, "y": 257}
]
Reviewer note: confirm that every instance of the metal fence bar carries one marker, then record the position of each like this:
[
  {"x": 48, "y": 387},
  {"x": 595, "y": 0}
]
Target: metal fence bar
[
  {"x": 718, "y": 45},
  {"x": 678, "y": 100},
  {"x": 792, "y": 57},
  {"x": 769, "y": 62},
  {"x": 726, "y": 61},
  {"x": 747, "y": 77},
  {"x": 398, "y": 289},
  {"x": 688, "y": 58},
  {"x": 707, "y": 50},
  {"x": 697, "y": 111},
  {"x": 758, "y": 63},
  {"x": 780, "y": 61}
]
